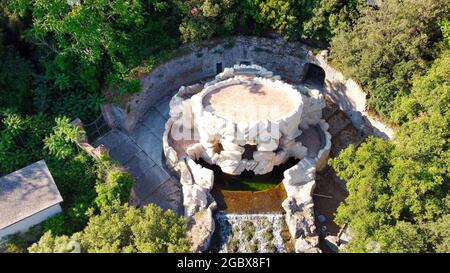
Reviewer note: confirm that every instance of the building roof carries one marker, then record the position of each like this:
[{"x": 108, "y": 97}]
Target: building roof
[{"x": 26, "y": 192}]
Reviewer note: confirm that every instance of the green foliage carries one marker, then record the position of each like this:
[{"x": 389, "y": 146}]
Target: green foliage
[
  {"x": 15, "y": 80},
  {"x": 55, "y": 244},
  {"x": 20, "y": 140},
  {"x": 430, "y": 93},
  {"x": 404, "y": 237},
  {"x": 330, "y": 16},
  {"x": 19, "y": 242},
  {"x": 122, "y": 228},
  {"x": 55, "y": 224},
  {"x": 89, "y": 47},
  {"x": 202, "y": 19},
  {"x": 445, "y": 28},
  {"x": 60, "y": 142},
  {"x": 115, "y": 185},
  {"x": 394, "y": 189},
  {"x": 285, "y": 17},
  {"x": 438, "y": 232},
  {"x": 387, "y": 46},
  {"x": 25, "y": 140}
]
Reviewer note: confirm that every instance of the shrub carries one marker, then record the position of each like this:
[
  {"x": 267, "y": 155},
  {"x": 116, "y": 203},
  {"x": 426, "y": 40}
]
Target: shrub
[{"x": 121, "y": 228}]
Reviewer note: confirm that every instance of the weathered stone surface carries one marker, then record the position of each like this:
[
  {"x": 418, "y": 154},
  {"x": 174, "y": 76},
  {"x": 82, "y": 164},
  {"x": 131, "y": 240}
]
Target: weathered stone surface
[
  {"x": 233, "y": 134},
  {"x": 194, "y": 198},
  {"x": 195, "y": 151},
  {"x": 303, "y": 172},
  {"x": 307, "y": 245},
  {"x": 202, "y": 176},
  {"x": 201, "y": 227},
  {"x": 224, "y": 145}
]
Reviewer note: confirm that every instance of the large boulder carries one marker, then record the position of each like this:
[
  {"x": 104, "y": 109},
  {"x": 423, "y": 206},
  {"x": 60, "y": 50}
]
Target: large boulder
[
  {"x": 301, "y": 222},
  {"x": 303, "y": 172},
  {"x": 307, "y": 245},
  {"x": 195, "y": 151},
  {"x": 202, "y": 176},
  {"x": 200, "y": 230}
]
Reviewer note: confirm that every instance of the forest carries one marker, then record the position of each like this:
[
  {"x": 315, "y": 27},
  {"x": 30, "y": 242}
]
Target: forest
[{"x": 59, "y": 59}]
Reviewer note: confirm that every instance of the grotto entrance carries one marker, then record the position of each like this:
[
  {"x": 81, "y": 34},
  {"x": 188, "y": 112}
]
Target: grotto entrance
[{"x": 313, "y": 75}]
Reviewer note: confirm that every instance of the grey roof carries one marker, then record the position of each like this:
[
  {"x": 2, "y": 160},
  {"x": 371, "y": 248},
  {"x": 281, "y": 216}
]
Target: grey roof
[{"x": 26, "y": 192}]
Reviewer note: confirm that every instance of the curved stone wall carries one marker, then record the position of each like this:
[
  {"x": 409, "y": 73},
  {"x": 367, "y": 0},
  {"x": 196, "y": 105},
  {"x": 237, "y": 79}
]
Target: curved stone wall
[
  {"x": 197, "y": 181},
  {"x": 287, "y": 59},
  {"x": 269, "y": 137}
]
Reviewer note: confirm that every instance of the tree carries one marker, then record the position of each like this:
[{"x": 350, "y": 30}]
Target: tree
[
  {"x": 122, "y": 228},
  {"x": 395, "y": 189},
  {"x": 56, "y": 244},
  {"x": 203, "y": 19},
  {"x": 60, "y": 142},
  {"x": 21, "y": 139},
  {"x": 387, "y": 46},
  {"x": 430, "y": 93},
  {"x": 330, "y": 16},
  {"x": 15, "y": 80},
  {"x": 438, "y": 234},
  {"x": 84, "y": 47}
]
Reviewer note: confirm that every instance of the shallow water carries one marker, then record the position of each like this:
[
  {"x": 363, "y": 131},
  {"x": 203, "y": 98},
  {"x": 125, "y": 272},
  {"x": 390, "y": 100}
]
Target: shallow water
[{"x": 250, "y": 233}]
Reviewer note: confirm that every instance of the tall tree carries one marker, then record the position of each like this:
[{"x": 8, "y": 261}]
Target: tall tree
[{"x": 388, "y": 45}]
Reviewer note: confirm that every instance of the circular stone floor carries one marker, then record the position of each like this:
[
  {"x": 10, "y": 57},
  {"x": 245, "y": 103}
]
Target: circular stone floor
[{"x": 248, "y": 102}]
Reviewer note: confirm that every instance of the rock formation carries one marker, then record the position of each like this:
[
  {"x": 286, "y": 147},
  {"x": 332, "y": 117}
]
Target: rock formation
[{"x": 217, "y": 123}]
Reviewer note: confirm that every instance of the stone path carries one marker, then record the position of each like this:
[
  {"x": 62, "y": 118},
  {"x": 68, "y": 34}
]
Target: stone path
[{"x": 141, "y": 154}]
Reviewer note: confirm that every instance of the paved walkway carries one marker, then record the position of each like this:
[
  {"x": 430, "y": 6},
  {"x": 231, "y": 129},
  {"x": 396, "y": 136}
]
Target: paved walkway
[{"x": 142, "y": 155}]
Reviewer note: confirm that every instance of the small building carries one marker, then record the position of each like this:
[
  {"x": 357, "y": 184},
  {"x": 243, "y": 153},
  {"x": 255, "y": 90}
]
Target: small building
[{"x": 27, "y": 197}]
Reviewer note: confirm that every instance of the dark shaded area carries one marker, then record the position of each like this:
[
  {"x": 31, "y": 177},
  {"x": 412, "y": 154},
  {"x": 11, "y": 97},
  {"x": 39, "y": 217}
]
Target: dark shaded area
[
  {"x": 248, "y": 151},
  {"x": 313, "y": 75},
  {"x": 244, "y": 181},
  {"x": 219, "y": 68}
]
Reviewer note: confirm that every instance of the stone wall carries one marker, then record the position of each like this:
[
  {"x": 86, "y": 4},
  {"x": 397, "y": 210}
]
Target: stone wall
[
  {"x": 351, "y": 99},
  {"x": 285, "y": 59}
]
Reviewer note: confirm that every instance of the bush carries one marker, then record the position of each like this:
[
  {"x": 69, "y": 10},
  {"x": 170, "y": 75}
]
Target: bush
[
  {"x": 60, "y": 143},
  {"x": 122, "y": 228},
  {"x": 117, "y": 187},
  {"x": 387, "y": 46},
  {"x": 56, "y": 224}
]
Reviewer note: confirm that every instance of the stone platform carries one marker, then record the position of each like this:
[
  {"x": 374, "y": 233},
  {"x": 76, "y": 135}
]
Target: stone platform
[{"x": 141, "y": 154}]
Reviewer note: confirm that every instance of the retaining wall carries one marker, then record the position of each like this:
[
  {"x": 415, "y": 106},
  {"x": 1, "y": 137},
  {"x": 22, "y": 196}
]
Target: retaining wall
[{"x": 286, "y": 59}]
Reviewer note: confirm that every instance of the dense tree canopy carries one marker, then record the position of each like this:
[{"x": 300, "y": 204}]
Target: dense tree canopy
[
  {"x": 59, "y": 60},
  {"x": 122, "y": 228},
  {"x": 387, "y": 46},
  {"x": 430, "y": 93},
  {"x": 393, "y": 197},
  {"x": 330, "y": 16}
]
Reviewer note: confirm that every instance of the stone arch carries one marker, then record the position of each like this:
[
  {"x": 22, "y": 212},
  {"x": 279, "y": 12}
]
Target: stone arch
[{"x": 313, "y": 74}]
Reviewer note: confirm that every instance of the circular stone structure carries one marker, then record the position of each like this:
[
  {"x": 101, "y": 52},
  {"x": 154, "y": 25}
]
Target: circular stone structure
[
  {"x": 246, "y": 118},
  {"x": 234, "y": 102},
  {"x": 248, "y": 123}
]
